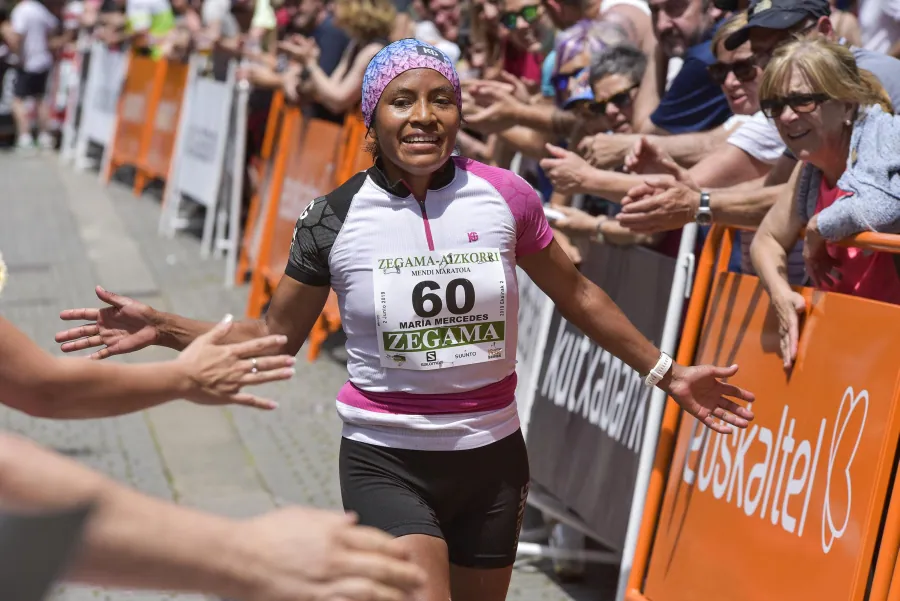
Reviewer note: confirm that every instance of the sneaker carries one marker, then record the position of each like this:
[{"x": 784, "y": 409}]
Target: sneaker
[
  {"x": 25, "y": 142},
  {"x": 46, "y": 141}
]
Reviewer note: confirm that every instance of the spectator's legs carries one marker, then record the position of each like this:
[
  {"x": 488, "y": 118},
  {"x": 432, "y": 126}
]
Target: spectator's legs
[
  {"x": 45, "y": 138},
  {"x": 23, "y": 123}
]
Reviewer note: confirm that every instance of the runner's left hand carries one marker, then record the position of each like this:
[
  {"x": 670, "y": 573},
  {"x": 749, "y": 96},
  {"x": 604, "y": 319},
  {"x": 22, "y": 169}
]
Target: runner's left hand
[{"x": 700, "y": 392}]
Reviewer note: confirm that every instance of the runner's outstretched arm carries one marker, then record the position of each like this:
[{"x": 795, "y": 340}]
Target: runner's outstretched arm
[
  {"x": 127, "y": 325},
  {"x": 697, "y": 389},
  {"x": 208, "y": 372},
  {"x": 135, "y": 541}
]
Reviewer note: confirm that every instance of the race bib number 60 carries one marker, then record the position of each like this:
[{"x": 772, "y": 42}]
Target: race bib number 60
[{"x": 440, "y": 309}]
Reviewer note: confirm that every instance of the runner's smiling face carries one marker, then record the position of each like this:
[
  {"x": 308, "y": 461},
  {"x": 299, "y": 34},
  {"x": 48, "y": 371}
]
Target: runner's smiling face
[{"x": 416, "y": 122}]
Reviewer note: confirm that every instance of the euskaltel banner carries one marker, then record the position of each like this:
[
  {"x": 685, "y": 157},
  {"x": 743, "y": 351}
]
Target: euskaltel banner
[{"x": 588, "y": 414}]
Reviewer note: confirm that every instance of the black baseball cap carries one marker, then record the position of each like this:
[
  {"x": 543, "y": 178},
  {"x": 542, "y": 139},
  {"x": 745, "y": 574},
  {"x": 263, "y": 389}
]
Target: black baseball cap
[{"x": 777, "y": 14}]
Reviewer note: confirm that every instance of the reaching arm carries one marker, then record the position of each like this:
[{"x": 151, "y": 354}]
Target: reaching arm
[
  {"x": 529, "y": 142},
  {"x": 131, "y": 540},
  {"x": 727, "y": 166},
  {"x": 38, "y": 384},
  {"x": 611, "y": 185},
  {"x": 587, "y": 306},
  {"x": 546, "y": 118},
  {"x": 742, "y": 207},
  {"x": 608, "y": 151},
  {"x": 43, "y": 386},
  {"x": 127, "y": 325},
  {"x": 137, "y": 542},
  {"x": 339, "y": 95},
  {"x": 292, "y": 312},
  {"x": 591, "y": 310},
  {"x": 777, "y": 234},
  {"x": 690, "y": 149}
]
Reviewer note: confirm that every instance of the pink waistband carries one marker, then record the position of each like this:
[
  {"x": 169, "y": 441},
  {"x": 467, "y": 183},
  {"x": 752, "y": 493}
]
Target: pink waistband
[{"x": 487, "y": 398}]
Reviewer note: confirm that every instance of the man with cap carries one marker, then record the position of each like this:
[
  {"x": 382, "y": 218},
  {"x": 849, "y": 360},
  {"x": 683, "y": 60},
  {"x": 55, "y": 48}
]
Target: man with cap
[{"x": 770, "y": 23}]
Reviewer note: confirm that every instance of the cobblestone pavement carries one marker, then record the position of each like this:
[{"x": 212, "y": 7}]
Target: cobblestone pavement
[{"x": 61, "y": 233}]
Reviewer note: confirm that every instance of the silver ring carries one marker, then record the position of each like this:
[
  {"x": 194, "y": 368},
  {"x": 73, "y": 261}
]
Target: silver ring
[{"x": 253, "y": 369}]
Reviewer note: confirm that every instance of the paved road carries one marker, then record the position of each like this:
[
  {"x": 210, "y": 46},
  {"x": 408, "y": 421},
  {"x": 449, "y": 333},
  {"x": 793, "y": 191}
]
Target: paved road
[{"x": 61, "y": 233}]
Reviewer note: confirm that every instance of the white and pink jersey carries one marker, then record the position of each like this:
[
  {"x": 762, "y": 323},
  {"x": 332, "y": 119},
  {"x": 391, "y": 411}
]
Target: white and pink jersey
[{"x": 428, "y": 299}]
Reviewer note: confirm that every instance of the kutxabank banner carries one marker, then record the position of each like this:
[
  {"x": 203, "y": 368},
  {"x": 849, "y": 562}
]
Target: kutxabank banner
[{"x": 588, "y": 414}]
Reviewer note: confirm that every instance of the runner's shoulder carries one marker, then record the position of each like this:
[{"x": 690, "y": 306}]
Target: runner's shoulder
[
  {"x": 335, "y": 204},
  {"x": 511, "y": 186}
]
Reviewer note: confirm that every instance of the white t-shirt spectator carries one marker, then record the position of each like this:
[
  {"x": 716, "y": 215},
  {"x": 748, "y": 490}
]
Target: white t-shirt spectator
[
  {"x": 879, "y": 24},
  {"x": 758, "y": 137},
  {"x": 31, "y": 20}
]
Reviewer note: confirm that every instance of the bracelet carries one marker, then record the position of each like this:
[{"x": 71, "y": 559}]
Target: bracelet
[
  {"x": 598, "y": 233},
  {"x": 659, "y": 371}
]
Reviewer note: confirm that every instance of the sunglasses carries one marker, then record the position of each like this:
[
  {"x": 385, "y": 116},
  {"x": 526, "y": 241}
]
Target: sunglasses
[
  {"x": 744, "y": 70},
  {"x": 619, "y": 100},
  {"x": 799, "y": 103},
  {"x": 529, "y": 13},
  {"x": 560, "y": 81}
]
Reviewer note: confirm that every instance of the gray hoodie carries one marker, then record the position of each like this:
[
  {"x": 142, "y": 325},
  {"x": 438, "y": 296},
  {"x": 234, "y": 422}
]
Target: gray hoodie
[{"x": 872, "y": 178}]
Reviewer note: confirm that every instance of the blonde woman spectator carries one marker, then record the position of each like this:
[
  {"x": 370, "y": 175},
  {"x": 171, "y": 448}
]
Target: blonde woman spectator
[
  {"x": 836, "y": 118},
  {"x": 369, "y": 24}
]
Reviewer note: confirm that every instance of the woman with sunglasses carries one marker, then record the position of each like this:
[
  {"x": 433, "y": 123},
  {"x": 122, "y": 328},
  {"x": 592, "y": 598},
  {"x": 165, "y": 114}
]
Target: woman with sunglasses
[
  {"x": 422, "y": 250},
  {"x": 837, "y": 119}
]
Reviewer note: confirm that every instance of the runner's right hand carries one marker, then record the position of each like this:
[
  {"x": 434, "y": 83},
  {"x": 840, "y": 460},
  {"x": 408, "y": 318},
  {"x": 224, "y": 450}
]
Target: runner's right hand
[
  {"x": 125, "y": 326},
  {"x": 306, "y": 554}
]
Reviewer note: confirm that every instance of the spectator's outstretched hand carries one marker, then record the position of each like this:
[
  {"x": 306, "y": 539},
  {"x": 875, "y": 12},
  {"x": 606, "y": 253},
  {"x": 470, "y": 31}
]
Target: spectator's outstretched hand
[
  {"x": 567, "y": 170},
  {"x": 605, "y": 151},
  {"x": 495, "y": 108},
  {"x": 648, "y": 157},
  {"x": 659, "y": 204}
]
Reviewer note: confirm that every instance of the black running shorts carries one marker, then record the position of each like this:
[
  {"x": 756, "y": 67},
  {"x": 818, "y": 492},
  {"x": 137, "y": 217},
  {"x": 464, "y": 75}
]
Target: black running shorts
[
  {"x": 473, "y": 499},
  {"x": 31, "y": 85}
]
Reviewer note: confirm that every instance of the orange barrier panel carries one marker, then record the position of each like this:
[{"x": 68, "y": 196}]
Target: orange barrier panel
[
  {"x": 263, "y": 180},
  {"x": 161, "y": 130},
  {"x": 792, "y": 507},
  {"x": 288, "y": 137},
  {"x": 353, "y": 142},
  {"x": 137, "y": 107},
  {"x": 328, "y": 322},
  {"x": 308, "y": 173},
  {"x": 886, "y": 580},
  {"x": 687, "y": 348}
]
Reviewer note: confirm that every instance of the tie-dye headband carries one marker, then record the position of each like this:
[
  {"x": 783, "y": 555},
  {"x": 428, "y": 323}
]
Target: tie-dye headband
[{"x": 397, "y": 58}]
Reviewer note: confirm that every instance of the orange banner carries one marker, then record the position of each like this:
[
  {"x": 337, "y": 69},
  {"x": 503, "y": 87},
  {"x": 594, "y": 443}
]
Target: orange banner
[
  {"x": 134, "y": 106},
  {"x": 309, "y": 173},
  {"x": 156, "y": 156},
  {"x": 791, "y": 507}
]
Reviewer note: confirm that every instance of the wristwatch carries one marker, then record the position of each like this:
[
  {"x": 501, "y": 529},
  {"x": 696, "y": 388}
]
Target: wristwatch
[{"x": 703, "y": 216}]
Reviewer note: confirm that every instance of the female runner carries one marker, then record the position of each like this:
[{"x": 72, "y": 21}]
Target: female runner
[{"x": 421, "y": 250}]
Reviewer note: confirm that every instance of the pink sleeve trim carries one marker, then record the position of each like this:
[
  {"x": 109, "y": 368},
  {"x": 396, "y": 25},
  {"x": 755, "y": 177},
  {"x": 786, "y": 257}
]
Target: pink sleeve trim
[{"x": 533, "y": 232}]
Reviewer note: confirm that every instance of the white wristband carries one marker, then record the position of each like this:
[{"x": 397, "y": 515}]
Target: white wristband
[{"x": 659, "y": 371}]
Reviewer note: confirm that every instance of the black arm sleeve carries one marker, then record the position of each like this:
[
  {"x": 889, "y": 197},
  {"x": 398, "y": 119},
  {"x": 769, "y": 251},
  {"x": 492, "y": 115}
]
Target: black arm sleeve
[{"x": 314, "y": 236}]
